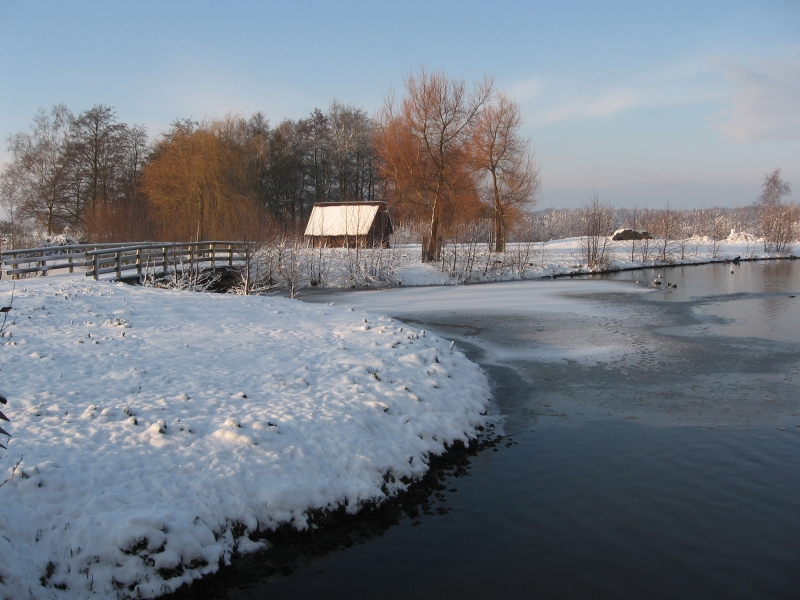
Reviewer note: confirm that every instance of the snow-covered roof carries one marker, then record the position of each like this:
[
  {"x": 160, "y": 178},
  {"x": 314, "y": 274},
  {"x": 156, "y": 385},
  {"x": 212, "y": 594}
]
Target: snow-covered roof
[{"x": 341, "y": 219}]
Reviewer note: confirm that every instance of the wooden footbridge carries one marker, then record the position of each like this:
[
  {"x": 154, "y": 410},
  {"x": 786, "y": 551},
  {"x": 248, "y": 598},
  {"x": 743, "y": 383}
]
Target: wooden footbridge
[{"x": 124, "y": 261}]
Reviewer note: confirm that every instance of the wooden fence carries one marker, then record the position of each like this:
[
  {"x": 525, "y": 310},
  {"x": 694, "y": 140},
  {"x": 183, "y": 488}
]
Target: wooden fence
[{"x": 125, "y": 260}]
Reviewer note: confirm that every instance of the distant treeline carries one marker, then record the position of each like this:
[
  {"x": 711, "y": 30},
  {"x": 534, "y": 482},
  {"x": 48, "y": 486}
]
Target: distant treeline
[{"x": 771, "y": 219}]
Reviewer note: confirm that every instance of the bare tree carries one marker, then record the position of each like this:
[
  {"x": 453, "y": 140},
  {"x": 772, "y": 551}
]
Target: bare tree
[
  {"x": 36, "y": 181},
  {"x": 254, "y": 228},
  {"x": 424, "y": 146},
  {"x": 504, "y": 158},
  {"x": 461, "y": 253},
  {"x": 16, "y": 229},
  {"x": 597, "y": 218},
  {"x": 633, "y": 223},
  {"x": 685, "y": 233},
  {"x": 99, "y": 147},
  {"x": 289, "y": 262},
  {"x": 665, "y": 227},
  {"x": 351, "y": 136},
  {"x": 120, "y": 211},
  {"x": 714, "y": 225},
  {"x": 523, "y": 251},
  {"x": 776, "y": 220}
]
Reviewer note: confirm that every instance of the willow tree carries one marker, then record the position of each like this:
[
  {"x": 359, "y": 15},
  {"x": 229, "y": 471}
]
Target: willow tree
[
  {"x": 196, "y": 182},
  {"x": 424, "y": 146},
  {"x": 505, "y": 163}
]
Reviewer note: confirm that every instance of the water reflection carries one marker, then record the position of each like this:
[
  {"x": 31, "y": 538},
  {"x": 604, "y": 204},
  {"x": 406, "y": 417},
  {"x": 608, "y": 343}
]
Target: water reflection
[
  {"x": 776, "y": 277},
  {"x": 754, "y": 299}
]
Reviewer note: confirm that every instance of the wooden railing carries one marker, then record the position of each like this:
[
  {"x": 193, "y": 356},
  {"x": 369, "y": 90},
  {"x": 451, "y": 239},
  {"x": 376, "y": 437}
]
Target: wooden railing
[
  {"x": 121, "y": 260},
  {"x": 154, "y": 258},
  {"x": 49, "y": 258}
]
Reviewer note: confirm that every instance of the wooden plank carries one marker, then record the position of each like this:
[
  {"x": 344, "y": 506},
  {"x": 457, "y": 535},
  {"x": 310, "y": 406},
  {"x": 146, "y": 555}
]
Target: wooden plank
[
  {"x": 17, "y": 261},
  {"x": 22, "y": 271},
  {"x": 56, "y": 248},
  {"x": 49, "y": 266},
  {"x": 116, "y": 269}
]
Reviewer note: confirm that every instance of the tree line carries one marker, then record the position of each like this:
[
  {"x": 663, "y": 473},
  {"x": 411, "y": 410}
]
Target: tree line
[
  {"x": 70, "y": 169},
  {"x": 103, "y": 180},
  {"x": 445, "y": 153},
  {"x": 772, "y": 220}
]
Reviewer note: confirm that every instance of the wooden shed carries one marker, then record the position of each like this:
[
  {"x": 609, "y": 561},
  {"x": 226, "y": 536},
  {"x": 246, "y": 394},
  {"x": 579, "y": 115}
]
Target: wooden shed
[{"x": 349, "y": 224}]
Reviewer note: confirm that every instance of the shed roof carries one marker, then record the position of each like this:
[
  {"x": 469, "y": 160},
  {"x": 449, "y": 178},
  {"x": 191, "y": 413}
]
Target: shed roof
[{"x": 341, "y": 219}]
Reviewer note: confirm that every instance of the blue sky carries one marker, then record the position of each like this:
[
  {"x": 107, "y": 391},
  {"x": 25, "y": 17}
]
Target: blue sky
[{"x": 689, "y": 103}]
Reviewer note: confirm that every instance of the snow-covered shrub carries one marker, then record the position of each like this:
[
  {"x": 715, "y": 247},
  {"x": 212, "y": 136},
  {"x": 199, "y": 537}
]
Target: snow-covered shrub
[
  {"x": 288, "y": 263},
  {"x": 183, "y": 276}
]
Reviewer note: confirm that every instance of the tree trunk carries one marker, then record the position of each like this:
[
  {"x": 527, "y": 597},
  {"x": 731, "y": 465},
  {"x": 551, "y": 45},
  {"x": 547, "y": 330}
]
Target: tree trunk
[
  {"x": 431, "y": 253},
  {"x": 200, "y": 223}
]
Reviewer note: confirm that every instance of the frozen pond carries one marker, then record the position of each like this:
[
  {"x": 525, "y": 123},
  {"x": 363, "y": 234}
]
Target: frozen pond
[{"x": 652, "y": 446}]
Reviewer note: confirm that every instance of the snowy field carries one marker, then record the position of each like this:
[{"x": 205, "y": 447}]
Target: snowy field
[
  {"x": 561, "y": 257},
  {"x": 297, "y": 267},
  {"x": 157, "y": 429}
]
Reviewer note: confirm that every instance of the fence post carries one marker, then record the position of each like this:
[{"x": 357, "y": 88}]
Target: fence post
[
  {"x": 164, "y": 265},
  {"x": 139, "y": 262},
  {"x": 212, "y": 254},
  {"x": 96, "y": 266},
  {"x": 119, "y": 263},
  {"x": 69, "y": 260}
]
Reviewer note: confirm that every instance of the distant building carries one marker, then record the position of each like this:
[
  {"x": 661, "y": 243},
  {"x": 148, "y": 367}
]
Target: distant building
[{"x": 349, "y": 224}]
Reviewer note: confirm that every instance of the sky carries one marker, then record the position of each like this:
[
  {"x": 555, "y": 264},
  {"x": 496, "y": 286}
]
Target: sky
[{"x": 649, "y": 103}]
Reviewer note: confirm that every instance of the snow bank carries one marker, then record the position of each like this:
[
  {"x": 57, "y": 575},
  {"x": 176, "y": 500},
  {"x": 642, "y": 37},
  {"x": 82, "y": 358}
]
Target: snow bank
[
  {"x": 564, "y": 256},
  {"x": 159, "y": 428},
  {"x": 464, "y": 263}
]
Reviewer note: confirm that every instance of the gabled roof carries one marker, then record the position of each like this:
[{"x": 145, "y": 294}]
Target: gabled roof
[{"x": 341, "y": 219}]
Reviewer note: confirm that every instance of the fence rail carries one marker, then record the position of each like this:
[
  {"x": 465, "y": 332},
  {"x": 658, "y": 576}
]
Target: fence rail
[{"x": 120, "y": 260}]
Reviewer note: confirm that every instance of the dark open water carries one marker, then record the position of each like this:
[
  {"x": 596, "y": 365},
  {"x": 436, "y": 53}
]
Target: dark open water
[{"x": 652, "y": 451}]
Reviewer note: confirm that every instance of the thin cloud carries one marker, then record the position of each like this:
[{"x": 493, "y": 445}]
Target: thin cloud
[
  {"x": 526, "y": 90},
  {"x": 601, "y": 105},
  {"x": 557, "y": 101},
  {"x": 766, "y": 100}
]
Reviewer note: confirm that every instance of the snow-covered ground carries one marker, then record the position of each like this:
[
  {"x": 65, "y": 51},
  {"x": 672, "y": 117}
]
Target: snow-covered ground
[
  {"x": 562, "y": 257},
  {"x": 335, "y": 268},
  {"x": 285, "y": 265},
  {"x": 157, "y": 429},
  {"x": 522, "y": 303}
]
